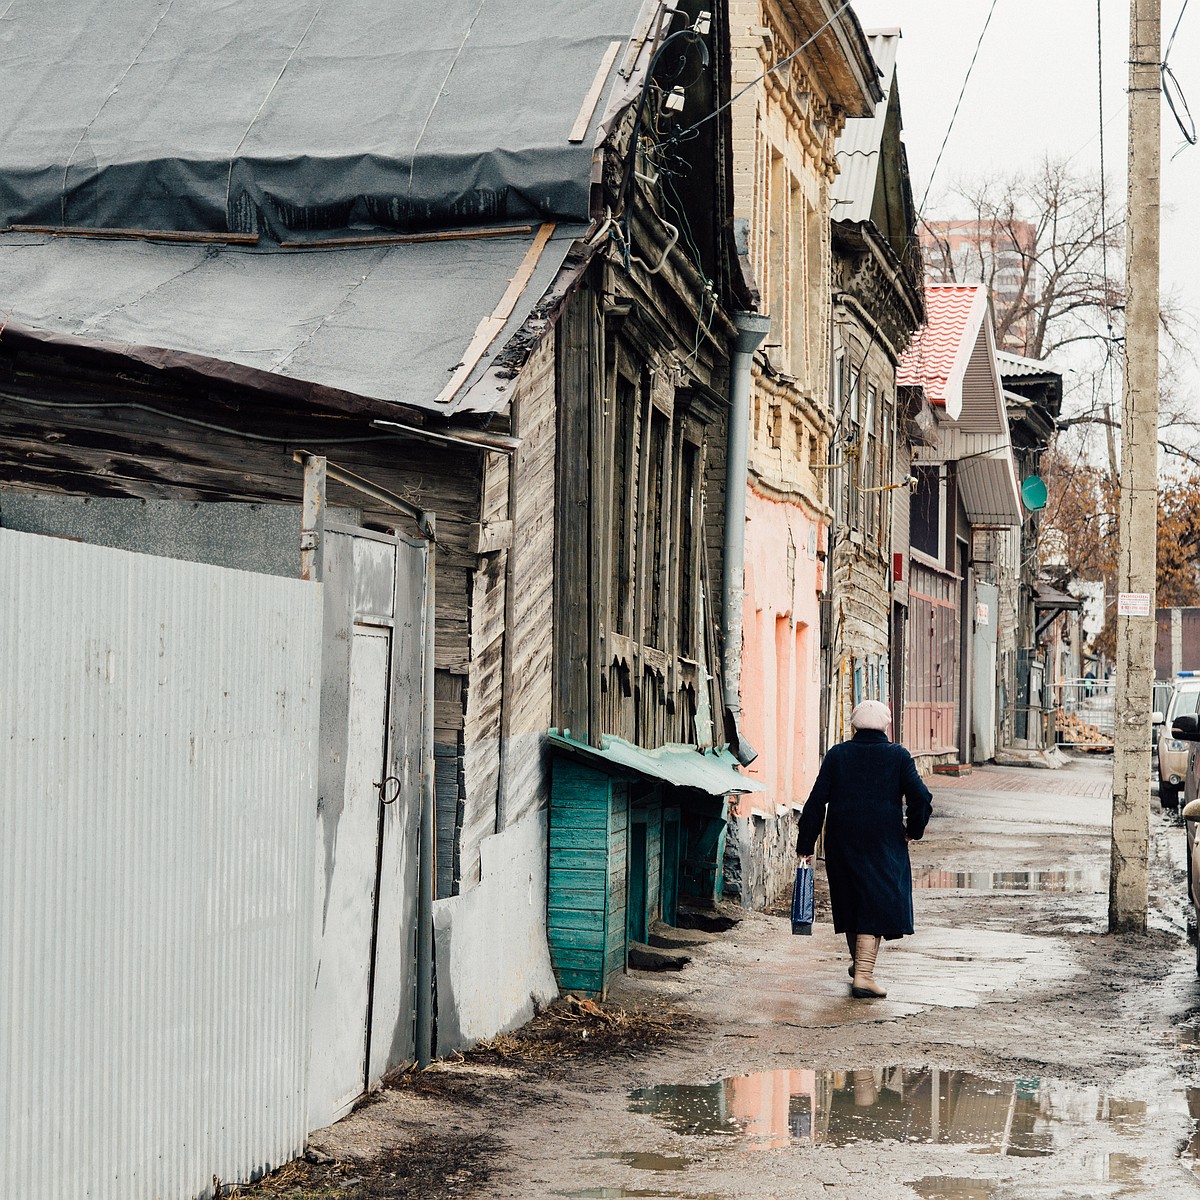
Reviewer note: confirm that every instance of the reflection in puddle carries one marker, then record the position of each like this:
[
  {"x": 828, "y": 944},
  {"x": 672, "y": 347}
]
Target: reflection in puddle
[
  {"x": 1024, "y": 1117},
  {"x": 1123, "y": 1168},
  {"x": 616, "y": 1193},
  {"x": 643, "y": 1161},
  {"x": 1103, "y": 1168},
  {"x": 1191, "y": 1152},
  {"x": 948, "y": 1187},
  {"x": 1014, "y": 881}
]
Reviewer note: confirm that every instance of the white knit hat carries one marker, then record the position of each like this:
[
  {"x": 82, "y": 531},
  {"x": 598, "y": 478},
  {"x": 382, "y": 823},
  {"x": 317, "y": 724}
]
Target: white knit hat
[{"x": 871, "y": 714}]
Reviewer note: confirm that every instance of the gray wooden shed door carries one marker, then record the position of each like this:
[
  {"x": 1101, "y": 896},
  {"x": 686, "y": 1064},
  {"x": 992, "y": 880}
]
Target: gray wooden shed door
[{"x": 369, "y": 781}]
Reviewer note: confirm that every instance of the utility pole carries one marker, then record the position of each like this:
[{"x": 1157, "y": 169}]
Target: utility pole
[{"x": 1137, "y": 549}]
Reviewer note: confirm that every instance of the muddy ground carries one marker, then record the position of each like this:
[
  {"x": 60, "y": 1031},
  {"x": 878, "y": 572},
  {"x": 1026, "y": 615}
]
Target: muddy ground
[{"x": 1021, "y": 1052}]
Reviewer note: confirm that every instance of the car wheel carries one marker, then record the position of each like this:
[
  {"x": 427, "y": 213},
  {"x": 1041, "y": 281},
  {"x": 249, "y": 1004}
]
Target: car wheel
[{"x": 1168, "y": 795}]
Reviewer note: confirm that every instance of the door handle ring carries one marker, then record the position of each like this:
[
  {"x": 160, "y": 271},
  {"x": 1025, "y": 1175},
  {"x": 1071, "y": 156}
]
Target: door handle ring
[{"x": 382, "y": 789}]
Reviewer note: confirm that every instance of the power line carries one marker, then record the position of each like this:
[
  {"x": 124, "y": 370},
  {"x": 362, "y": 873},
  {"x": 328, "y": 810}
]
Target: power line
[
  {"x": 691, "y": 129},
  {"x": 1176, "y": 100},
  {"x": 1178, "y": 22},
  {"x": 958, "y": 103},
  {"x": 1103, "y": 192}
]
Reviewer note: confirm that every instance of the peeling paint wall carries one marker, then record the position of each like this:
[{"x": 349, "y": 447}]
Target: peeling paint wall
[
  {"x": 781, "y": 687},
  {"x": 783, "y": 148}
]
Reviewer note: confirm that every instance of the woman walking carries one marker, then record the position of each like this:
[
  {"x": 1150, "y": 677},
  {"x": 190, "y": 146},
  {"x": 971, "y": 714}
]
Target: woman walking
[{"x": 872, "y": 803}]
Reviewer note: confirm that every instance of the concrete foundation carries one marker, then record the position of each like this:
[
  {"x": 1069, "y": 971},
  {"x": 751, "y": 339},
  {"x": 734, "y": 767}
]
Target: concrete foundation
[
  {"x": 760, "y": 858},
  {"x": 492, "y": 960}
]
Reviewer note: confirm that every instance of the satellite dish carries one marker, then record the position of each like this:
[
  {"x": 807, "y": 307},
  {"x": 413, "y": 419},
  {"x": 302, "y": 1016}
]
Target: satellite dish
[{"x": 1033, "y": 493}]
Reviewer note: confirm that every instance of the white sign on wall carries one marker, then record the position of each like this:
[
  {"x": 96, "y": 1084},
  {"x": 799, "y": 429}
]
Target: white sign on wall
[{"x": 1133, "y": 604}]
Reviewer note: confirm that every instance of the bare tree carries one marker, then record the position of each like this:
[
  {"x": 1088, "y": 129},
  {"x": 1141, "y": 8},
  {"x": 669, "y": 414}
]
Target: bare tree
[
  {"x": 1039, "y": 243},
  {"x": 1049, "y": 246}
]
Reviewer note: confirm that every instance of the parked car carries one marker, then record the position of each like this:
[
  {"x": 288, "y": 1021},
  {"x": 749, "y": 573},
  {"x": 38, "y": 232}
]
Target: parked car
[
  {"x": 1162, "y": 697},
  {"x": 1191, "y": 819},
  {"x": 1187, "y": 730},
  {"x": 1172, "y": 751}
]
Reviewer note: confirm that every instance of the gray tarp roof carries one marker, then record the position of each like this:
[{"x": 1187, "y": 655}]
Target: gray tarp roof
[
  {"x": 386, "y": 322},
  {"x": 299, "y": 115}
]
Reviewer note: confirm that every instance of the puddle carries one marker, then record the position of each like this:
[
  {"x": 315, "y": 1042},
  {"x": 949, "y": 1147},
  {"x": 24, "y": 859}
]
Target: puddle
[
  {"x": 642, "y": 1161},
  {"x": 616, "y": 1193},
  {"x": 1190, "y": 1157},
  {"x": 1027, "y": 1118},
  {"x": 1123, "y": 1168},
  {"x": 948, "y": 1187},
  {"x": 1014, "y": 881},
  {"x": 1188, "y": 1038}
]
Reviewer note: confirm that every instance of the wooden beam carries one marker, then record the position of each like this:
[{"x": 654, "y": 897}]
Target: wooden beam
[
  {"x": 312, "y": 523},
  {"x": 491, "y": 325},
  {"x": 154, "y": 235},
  {"x": 410, "y": 239},
  {"x": 588, "y": 107}
]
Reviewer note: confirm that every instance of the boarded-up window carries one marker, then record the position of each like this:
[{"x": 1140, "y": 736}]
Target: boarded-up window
[
  {"x": 869, "y": 463},
  {"x": 689, "y": 507},
  {"x": 652, "y": 606},
  {"x": 925, "y": 512},
  {"x": 885, "y": 474},
  {"x": 623, "y": 476}
]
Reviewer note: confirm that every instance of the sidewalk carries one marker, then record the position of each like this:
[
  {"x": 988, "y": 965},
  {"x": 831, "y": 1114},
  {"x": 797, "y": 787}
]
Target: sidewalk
[{"x": 1021, "y": 1051}]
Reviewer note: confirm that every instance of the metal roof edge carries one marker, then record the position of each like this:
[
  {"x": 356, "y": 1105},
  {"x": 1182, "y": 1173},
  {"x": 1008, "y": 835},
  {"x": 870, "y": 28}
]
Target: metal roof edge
[
  {"x": 962, "y": 356},
  {"x": 220, "y": 371},
  {"x": 681, "y": 765}
]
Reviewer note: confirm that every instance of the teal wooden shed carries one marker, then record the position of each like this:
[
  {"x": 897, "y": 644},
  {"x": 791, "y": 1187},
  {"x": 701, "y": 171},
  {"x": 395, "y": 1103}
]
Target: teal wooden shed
[{"x": 629, "y": 828}]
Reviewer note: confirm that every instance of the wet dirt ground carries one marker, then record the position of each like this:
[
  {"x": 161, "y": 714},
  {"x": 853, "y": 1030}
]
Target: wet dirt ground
[{"x": 1021, "y": 1052}]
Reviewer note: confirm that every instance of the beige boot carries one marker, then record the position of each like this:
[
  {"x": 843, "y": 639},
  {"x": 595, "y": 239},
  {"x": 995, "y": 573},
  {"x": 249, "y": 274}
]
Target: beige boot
[{"x": 864, "y": 987}]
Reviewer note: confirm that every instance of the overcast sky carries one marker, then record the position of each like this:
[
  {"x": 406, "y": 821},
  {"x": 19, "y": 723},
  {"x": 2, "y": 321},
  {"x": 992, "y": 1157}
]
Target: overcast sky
[{"x": 1034, "y": 92}]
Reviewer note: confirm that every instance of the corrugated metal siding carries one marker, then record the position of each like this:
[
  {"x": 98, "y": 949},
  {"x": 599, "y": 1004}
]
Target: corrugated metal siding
[
  {"x": 982, "y": 403},
  {"x": 157, "y": 786},
  {"x": 989, "y": 491},
  {"x": 901, "y": 516},
  {"x": 853, "y": 191}
]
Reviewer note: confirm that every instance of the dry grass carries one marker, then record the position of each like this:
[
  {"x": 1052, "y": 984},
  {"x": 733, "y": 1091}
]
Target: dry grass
[
  {"x": 428, "y": 1168},
  {"x": 573, "y": 1028}
]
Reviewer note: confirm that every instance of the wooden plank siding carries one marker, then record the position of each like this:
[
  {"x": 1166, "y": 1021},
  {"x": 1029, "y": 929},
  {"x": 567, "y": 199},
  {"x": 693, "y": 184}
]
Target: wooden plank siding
[
  {"x": 530, "y": 705},
  {"x": 572, "y": 561},
  {"x": 579, "y": 880},
  {"x": 616, "y": 942},
  {"x": 510, "y": 644},
  {"x": 637, "y": 531},
  {"x": 654, "y": 858}
]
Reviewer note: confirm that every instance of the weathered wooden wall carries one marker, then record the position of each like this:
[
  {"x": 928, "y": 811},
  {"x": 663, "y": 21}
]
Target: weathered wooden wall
[
  {"x": 589, "y": 825},
  {"x": 508, "y": 687},
  {"x": 639, "y": 534},
  {"x": 530, "y": 712},
  {"x": 92, "y": 426}
]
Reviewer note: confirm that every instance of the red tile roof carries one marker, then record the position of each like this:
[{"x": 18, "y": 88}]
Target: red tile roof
[{"x": 951, "y": 319}]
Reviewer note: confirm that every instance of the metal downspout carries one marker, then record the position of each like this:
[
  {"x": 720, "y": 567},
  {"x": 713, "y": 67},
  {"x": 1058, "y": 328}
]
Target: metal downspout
[
  {"x": 425, "y": 867},
  {"x": 752, "y": 328}
]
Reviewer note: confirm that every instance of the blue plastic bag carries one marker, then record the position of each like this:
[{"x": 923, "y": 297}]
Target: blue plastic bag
[{"x": 802, "y": 901}]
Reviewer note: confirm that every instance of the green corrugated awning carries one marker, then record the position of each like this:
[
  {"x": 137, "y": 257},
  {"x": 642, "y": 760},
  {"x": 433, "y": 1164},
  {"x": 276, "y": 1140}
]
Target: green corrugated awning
[{"x": 712, "y": 771}]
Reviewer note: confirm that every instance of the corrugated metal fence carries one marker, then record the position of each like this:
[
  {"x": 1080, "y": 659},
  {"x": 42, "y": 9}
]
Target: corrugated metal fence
[{"x": 158, "y": 734}]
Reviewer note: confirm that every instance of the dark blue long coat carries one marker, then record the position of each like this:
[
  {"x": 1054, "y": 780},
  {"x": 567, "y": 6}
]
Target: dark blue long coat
[{"x": 858, "y": 797}]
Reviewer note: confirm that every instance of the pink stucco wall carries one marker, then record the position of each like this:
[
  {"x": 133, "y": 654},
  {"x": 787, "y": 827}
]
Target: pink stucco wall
[{"x": 781, "y": 675}]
